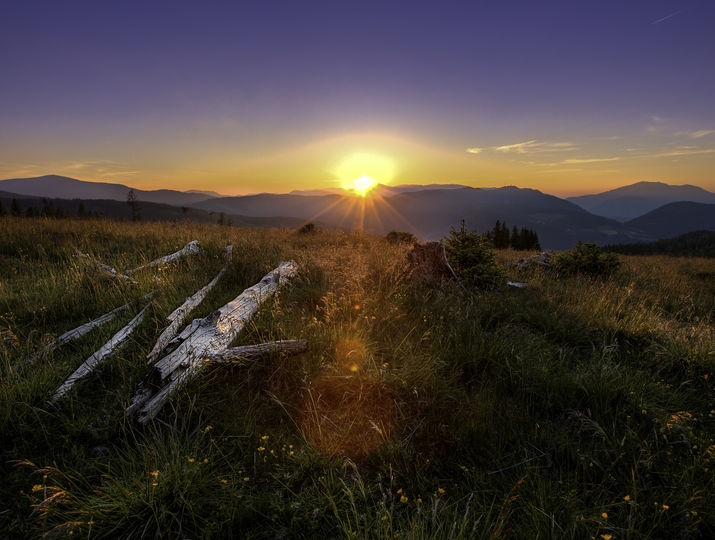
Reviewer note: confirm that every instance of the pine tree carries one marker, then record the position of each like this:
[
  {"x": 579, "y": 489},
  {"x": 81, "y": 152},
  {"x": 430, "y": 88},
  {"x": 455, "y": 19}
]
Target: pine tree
[{"x": 134, "y": 204}]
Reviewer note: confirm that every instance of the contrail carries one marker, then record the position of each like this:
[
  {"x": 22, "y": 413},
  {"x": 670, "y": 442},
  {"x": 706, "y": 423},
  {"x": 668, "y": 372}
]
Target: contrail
[{"x": 667, "y": 17}]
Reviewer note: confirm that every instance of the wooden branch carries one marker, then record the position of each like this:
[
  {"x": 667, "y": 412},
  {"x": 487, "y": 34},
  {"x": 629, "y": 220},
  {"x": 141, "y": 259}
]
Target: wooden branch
[
  {"x": 189, "y": 249},
  {"x": 106, "y": 351},
  {"x": 107, "y": 270},
  {"x": 203, "y": 339},
  {"x": 76, "y": 333},
  {"x": 517, "y": 284},
  {"x": 446, "y": 261},
  {"x": 239, "y": 355},
  {"x": 176, "y": 317}
]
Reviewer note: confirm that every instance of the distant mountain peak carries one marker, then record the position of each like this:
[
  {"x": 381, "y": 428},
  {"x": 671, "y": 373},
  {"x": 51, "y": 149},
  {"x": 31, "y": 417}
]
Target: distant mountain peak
[{"x": 628, "y": 202}]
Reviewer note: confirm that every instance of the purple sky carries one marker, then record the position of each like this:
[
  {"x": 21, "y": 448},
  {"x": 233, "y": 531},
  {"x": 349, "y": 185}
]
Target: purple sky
[{"x": 240, "y": 96}]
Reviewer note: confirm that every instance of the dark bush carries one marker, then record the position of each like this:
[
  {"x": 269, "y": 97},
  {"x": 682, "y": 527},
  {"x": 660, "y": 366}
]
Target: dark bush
[
  {"x": 472, "y": 259},
  {"x": 308, "y": 228},
  {"x": 586, "y": 258},
  {"x": 399, "y": 237}
]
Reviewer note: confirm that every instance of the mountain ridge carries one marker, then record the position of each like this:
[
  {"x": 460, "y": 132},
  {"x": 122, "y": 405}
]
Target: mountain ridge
[
  {"x": 56, "y": 186},
  {"x": 629, "y": 202}
]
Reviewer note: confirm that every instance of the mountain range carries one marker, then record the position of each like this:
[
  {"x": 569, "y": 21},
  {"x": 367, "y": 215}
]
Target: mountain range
[
  {"x": 62, "y": 187},
  {"x": 629, "y": 202},
  {"x": 426, "y": 211}
]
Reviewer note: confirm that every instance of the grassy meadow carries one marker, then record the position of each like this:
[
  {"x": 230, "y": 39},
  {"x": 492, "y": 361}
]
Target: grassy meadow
[{"x": 576, "y": 408}]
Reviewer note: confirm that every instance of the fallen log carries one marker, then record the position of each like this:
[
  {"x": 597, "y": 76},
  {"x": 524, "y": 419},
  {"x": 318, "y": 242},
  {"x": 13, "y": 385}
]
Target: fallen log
[
  {"x": 106, "y": 351},
  {"x": 239, "y": 355},
  {"x": 517, "y": 284},
  {"x": 176, "y": 317},
  {"x": 542, "y": 259},
  {"x": 191, "y": 248},
  {"x": 76, "y": 333},
  {"x": 107, "y": 270},
  {"x": 201, "y": 340}
]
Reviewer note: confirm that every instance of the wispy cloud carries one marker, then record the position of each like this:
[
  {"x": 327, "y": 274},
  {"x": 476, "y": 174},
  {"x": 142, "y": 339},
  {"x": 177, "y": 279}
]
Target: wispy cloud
[
  {"x": 655, "y": 123},
  {"x": 684, "y": 152},
  {"x": 569, "y": 162},
  {"x": 662, "y": 19},
  {"x": 535, "y": 147},
  {"x": 475, "y": 150},
  {"x": 695, "y": 134},
  {"x": 589, "y": 160}
]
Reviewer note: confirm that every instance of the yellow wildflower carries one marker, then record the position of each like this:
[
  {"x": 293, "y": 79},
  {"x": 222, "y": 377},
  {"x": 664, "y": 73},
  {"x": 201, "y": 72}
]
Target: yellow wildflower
[
  {"x": 261, "y": 448},
  {"x": 404, "y": 499},
  {"x": 264, "y": 438},
  {"x": 440, "y": 490},
  {"x": 627, "y": 498},
  {"x": 606, "y": 536},
  {"x": 191, "y": 460},
  {"x": 666, "y": 507},
  {"x": 604, "y": 515},
  {"x": 246, "y": 478},
  {"x": 206, "y": 460}
]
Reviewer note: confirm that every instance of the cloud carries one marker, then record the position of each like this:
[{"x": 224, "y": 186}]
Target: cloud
[
  {"x": 684, "y": 152},
  {"x": 570, "y": 162},
  {"x": 589, "y": 160},
  {"x": 535, "y": 147},
  {"x": 662, "y": 19},
  {"x": 475, "y": 150},
  {"x": 696, "y": 134}
]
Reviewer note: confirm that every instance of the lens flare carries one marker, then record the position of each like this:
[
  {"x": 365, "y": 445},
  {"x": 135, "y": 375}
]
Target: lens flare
[{"x": 347, "y": 415}]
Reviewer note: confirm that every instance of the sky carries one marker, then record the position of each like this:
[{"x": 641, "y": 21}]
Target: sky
[{"x": 244, "y": 97}]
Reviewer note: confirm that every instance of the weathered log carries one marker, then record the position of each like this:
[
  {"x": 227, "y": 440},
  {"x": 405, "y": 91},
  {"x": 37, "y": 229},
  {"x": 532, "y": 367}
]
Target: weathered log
[
  {"x": 107, "y": 270},
  {"x": 106, "y": 351},
  {"x": 76, "y": 333},
  {"x": 191, "y": 248},
  {"x": 517, "y": 284},
  {"x": 542, "y": 259},
  {"x": 176, "y": 317},
  {"x": 238, "y": 355},
  {"x": 201, "y": 340}
]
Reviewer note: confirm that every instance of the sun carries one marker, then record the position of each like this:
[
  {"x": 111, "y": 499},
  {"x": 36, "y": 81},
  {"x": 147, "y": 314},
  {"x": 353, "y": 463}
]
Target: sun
[
  {"x": 357, "y": 172},
  {"x": 363, "y": 185}
]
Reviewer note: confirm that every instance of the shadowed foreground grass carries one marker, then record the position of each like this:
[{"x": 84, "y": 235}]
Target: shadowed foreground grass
[{"x": 574, "y": 408}]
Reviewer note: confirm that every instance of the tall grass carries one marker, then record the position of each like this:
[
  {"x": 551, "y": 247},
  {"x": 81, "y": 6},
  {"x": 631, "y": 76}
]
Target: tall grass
[{"x": 578, "y": 407}]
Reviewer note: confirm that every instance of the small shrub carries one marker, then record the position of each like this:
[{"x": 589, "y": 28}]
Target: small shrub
[
  {"x": 472, "y": 259},
  {"x": 308, "y": 228},
  {"x": 586, "y": 258},
  {"x": 400, "y": 237}
]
